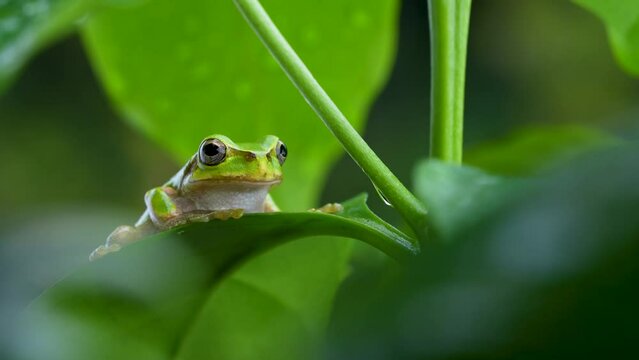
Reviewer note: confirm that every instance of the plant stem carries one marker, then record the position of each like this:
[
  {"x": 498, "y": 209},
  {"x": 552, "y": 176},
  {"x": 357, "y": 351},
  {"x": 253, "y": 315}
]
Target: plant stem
[
  {"x": 449, "y": 21},
  {"x": 411, "y": 209}
]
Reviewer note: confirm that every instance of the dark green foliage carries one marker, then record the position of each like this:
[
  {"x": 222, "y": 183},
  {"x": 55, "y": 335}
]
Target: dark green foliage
[
  {"x": 27, "y": 26},
  {"x": 551, "y": 274}
]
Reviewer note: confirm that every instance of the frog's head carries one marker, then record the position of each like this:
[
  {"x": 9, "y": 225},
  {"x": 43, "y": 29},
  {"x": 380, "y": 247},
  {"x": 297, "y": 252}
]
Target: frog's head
[{"x": 219, "y": 159}]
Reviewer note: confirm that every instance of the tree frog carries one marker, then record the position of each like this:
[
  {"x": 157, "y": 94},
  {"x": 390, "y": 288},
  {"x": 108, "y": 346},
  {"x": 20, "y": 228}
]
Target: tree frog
[{"x": 222, "y": 180}]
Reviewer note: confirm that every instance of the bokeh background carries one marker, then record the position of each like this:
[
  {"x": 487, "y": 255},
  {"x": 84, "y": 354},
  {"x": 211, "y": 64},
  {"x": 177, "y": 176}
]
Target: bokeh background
[
  {"x": 530, "y": 63},
  {"x": 71, "y": 168}
]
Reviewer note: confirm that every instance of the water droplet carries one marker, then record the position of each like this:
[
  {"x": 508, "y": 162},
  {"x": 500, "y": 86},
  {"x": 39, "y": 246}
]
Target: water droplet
[
  {"x": 243, "y": 90},
  {"x": 191, "y": 26},
  {"x": 360, "y": 19},
  {"x": 382, "y": 196},
  {"x": 201, "y": 71},
  {"x": 163, "y": 105},
  {"x": 184, "y": 52},
  {"x": 311, "y": 35}
]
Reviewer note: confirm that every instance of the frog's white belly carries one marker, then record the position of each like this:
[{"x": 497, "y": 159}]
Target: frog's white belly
[{"x": 249, "y": 197}]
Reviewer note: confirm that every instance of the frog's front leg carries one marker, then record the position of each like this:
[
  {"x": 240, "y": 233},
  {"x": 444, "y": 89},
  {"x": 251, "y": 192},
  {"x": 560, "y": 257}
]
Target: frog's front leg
[
  {"x": 163, "y": 210},
  {"x": 160, "y": 214},
  {"x": 166, "y": 209}
]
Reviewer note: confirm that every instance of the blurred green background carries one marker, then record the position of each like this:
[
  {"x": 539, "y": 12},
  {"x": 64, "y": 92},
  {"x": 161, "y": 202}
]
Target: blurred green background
[
  {"x": 530, "y": 63},
  {"x": 72, "y": 170}
]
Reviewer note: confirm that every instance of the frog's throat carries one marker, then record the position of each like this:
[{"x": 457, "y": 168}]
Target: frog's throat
[{"x": 219, "y": 195}]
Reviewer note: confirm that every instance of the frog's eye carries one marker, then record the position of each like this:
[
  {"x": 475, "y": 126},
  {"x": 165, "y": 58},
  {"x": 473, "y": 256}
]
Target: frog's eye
[
  {"x": 212, "y": 152},
  {"x": 281, "y": 152}
]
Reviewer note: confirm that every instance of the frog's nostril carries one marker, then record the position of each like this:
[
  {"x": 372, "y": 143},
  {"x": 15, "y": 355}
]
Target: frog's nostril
[{"x": 250, "y": 156}]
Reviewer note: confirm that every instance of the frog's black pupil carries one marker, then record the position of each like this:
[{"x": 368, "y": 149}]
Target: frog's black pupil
[
  {"x": 211, "y": 149},
  {"x": 283, "y": 151}
]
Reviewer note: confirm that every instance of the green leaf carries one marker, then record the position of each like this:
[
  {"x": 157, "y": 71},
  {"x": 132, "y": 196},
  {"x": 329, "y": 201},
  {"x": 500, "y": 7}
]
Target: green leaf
[
  {"x": 554, "y": 273},
  {"x": 27, "y": 26},
  {"x": 150, "y": 300},
  {"x": 458, "y": 197},
  {"x": 179, "y": 71},
  {"x": 533, "y": 149},
  {"x": 621, "y": 18}
]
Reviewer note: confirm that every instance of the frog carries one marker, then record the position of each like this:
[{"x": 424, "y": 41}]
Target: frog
[{"x": 222, "y": 180}]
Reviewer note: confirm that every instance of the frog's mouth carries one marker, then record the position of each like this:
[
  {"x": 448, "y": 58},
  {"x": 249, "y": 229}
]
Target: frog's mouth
[{"x": 235, "y": 181}]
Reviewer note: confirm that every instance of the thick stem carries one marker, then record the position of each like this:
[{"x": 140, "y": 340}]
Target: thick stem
[
  {"x": 406, "y": 204},
  {"x": 449, "y": 21}
]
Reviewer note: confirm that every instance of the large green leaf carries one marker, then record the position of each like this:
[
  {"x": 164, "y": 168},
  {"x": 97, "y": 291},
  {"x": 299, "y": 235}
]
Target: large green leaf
[
  {"x": 151, "y": 299},
  {"x": 459, "y": 197},
  {"x": 621, "y": 18},
  {"x": 532, "y": 150},
  {"x": 552, "y": 275},
  {"x": 181, "y": 70},
  {"x": 26, "y": 26}
]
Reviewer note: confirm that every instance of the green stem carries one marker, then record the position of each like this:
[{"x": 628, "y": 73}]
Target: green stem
[
  {"x": 406, "y": 204},
  {"x": 449, "y": 21}
]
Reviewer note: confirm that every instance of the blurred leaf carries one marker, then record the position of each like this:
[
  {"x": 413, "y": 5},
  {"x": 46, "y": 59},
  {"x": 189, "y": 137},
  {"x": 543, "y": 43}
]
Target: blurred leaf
[
  {"x": 150, "y": 299},
  {"x": 38, "y": 248},
  {"x": 621, "y": 18},
  {"x": 458, "y": 197},
  {"x": 529, "y": 150},
  {"x": 553, "y": 275},
  {"x": 28, "y": 25},
  {"x": 182, "y": 70}
]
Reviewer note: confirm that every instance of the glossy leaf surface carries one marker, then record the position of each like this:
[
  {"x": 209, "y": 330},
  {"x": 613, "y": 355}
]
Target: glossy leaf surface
[{"x": 151, "y": 298}]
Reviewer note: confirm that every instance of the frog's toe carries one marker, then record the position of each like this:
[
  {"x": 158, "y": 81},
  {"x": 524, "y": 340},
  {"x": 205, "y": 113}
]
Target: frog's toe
[
  {"x": 224, "y": 214},
  {"x": 123, "y": 235},
  {"x": 205, "y": 216},
  {"x": 330, "y": 208},
  {"x": 103, "y": 250}
]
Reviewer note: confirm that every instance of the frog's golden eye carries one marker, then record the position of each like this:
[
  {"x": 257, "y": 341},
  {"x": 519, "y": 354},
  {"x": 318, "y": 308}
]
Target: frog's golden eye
[
  {"x": 281, "y": 152},
  {"x": 212, "y": 152}
]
